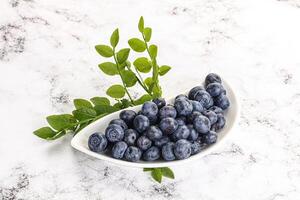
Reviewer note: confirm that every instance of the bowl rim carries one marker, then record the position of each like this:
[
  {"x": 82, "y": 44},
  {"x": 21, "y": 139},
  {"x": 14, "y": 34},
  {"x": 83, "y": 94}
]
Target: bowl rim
[{"x": 75, "y": 142}]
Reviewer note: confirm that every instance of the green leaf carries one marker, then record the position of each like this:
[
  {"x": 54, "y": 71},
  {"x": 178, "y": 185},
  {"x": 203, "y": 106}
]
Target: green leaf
[
  {"x": 153, "y": 51},
  {"x": 156, "y": 174},
  {"x": 45, "y": 133},
  {"x": 60, "y": 122},
  {"x": 109, "y": 68},
  {"x": 141, "y": 24},
  {"x": 157, "y": 92},
  {"x": 167, "y": 172},
  {"x": 142, "y": 64},
  {"x": 104, "y": 50},
  {"x": 102, "y": 109},
  {"x": 143, "y": 99},
  {"x": 84, "y": 114},
  {"x": 125, "y": 103},
  {"x": 114, "y": 38},
  {"x": 163, "y": 70},
  {"x": 148, "y": 81},
  {"x": 82, "y": 103},
  {"x": 122, "y": 55},
  {"x": 58, "y": 135},
  {"x": 137, "y": 45},
  {"x": 116, "y": 91},
  {"x": 100, "y": 101},
  {"x": 82, "y": 126},
  {"x": 129, "y": 78},
  {"x": 147, "y": 33}
]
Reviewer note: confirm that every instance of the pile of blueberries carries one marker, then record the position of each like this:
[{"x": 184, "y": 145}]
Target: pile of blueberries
[{"x": 167, "y": 132}]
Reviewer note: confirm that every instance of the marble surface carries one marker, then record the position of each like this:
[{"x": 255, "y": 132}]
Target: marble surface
[{"x": 47, "y": 58}]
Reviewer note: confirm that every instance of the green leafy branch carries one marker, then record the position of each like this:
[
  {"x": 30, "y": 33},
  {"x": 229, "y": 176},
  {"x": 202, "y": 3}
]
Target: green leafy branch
[{"x": 158, "y": 173}]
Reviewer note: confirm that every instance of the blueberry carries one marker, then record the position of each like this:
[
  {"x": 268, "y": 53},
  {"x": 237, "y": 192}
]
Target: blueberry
[
  {"x": 114, "y": 133},
  {"x": 190, "y": 118},
  {"x": 133, "y": 154},
  {"x": 119, "y": 149},
  {"x": 210, "y": 138},
  {"x": 143, "y": 142},
  {"x": 153, "y": 119},
  {"x": 119, "y": 122},
  {"x": 182, "y": 132},
  {"x": 167, "y": 151},
  {"x": 168, "y": 125},
  {"x": 167, "y": 111},
  {"x": 212, "y": 78},
  {"x": 97, "y": 142},
  {"x": 216, "y": 109},
  {"x": 153, "y": 153},
  {"x": 141, "y": 123},
  {"x": 182, "y": 149},
  {"x": 154, "y": 133},
  {"x": 204, "y": 98},
  {"x": 127, "y": 116},
  {"x": 181, "y": 121},
  {"x": 193, "y": 91},
  {"x": 196, "y": 147},
  {"x": 160, "y": 142},
  {"x": 181, "y": 97},
  {"x": 183, "y": 107},
  {"x": 221, "y": 121},
  {"x": 215, "y": 89},
  {"x": 211, "y": 115},
  {"x": 193, "y": 133},
  {"x": 160, "y": 102},
  {"x": 202, "y": 124},
  {"x": 222, "y": 101},
  {"x": 197, "y": 106},
  {"x": 149, "y": 109},
  {"x": 130, "y": 136}
]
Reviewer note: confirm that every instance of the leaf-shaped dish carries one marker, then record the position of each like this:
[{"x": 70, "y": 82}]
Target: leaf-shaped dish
[{"x": 80, "y": 141}]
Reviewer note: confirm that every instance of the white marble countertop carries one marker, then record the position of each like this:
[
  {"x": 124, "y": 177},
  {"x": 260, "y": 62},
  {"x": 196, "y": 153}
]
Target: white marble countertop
[{"x": 47, "y": 58}]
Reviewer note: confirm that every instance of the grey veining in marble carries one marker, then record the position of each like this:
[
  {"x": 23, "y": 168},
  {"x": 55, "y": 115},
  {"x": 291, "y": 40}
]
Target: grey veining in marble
[{"x": 47, "y": 58}]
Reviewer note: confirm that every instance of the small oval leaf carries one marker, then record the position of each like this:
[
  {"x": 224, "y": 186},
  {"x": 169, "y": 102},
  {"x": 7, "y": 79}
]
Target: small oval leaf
[
  {"x": 164, "y": 69},
  {"x": 148, "y": 81},
  {"x": 147, "y": 33},
  {"x": 122, "y": 55},
  {"x": 114, "y": 38},
  {"x": 141, "y": 24},
  {"x": 109, "y": 68},
  {"x": 137, "y": 45},
  {"x": 104, "y": 50},
  {"x": 100, "y": 101},
  {"x": 116, "y": 91},
  {"x": 60, "y": 122},
  {"x": 153, "y": 51},
  {"x": 142, "y": 64},
  {"x": 82, "y": 103},
  {"x": 129, "y": 78}
]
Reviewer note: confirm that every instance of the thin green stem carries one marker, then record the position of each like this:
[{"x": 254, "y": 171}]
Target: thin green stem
[
  {"x": 118, "y": 67},
  {"x": 140, "y": 80}
]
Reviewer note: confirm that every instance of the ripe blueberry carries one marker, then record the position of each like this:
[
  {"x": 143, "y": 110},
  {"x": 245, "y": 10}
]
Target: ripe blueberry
[
  {"x": 182, "y": 132},
  {"x": 212, "y": 78},
  {"x": 143, "y": 142},
  {"x": 127, "y": 116},
  {"x": 97, "y": 142},
  {"x": 133, "y": 154},
  {"x": 204, "y": 98},
  {"x": 182, "y": 149},
  {"x": 202, "y": 124},
  {"x": 130, "y": 136},
  {"x": 215, "y": 89},
  {"x": 183, "y": 107},
  {"x": 149, "y": 109},
  {"x": 167, "y": 151},
  {"x": 211, "y": 115},
  {"x": 160, "y": 102},
  {"x": 114, "y": 133},
  {"x": 151, "y": 154},
  {"x": 222, "y": 101},
  {"x": 119, "y": 122},
  {"x": 168, "y": 125},
  {"x": 141, "y": 123},
  {"x": 193, "y": 91},
  {"x": 119, "y": 149},
  {"x": 167, "y": 111},
  {"x": 154, "y": 133}
]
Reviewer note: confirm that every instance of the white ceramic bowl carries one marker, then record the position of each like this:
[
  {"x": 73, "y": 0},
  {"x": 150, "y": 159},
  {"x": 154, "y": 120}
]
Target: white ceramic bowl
[{"x": 80, "y": 141}]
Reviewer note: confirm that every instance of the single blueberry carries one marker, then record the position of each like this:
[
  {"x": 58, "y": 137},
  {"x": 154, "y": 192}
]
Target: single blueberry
[
  {"x": 160, "y": 102},
  {"x": 160, "y": 142},
  {"x": 210, "y": 138},
  {"x": 181, "y": 120},
  {"x": 216, "y": 109},
  {"x": 149, "y": 109},
  {"x": 143, "y": 142},
  {"x": 202, "y": 124},
  {"x": 153, "y": 119},
  {"x": 153, "y": 153},
  {"x": 204, "y": 98},
  {"x": 181, "y": 97},
  {"x": 212, "y": 78},
  {"x": 119, "y": 149},
  {"x": 167, "y": 151},
  {"x": 193, "y": 133},
  {"x": 182, "y": 132},
  {"x": 221, "y": 121},
  {"x": 193, "y": 91},
  {"x": 222, "y": 101},
  {"x": 127, "y": 116},
  {"x": 114, "y": 133},
  {"x": 197, "y": 106},
  {"x": 215, "y": 89},
  {"x": 130, "y": 136},
  {"x": 183, "y": 107},
  {"x": 133, "y": 154},
  {"x": 182, "y": 149},
  {"x": 141, "y": 123},
  {"x": 119, "y": 122},
  {"x": 211, "y": 115},
  {"x": 168, "y": 125},
  {"x": 97, "y": 142},
  {"x": 196, "y": 147},
  {"x": 191, "y": 117},
  {"x": 167, "y": 111},
  {"x": 154, "y": 133}
]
